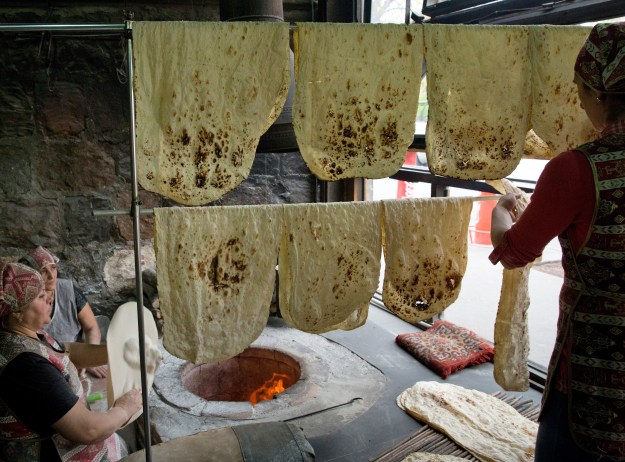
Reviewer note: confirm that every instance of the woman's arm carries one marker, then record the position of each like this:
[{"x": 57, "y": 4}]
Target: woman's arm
[
  {"x": 83, "y": 426},
  {"x": 92, "y": 334},
  {"x": 89, "y": 325},
  {"x": 86, "y": 355}
]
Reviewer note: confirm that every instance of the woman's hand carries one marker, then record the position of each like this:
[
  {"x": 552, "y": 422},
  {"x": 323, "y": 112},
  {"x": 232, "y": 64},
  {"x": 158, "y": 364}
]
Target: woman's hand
[
  {"x": 98, "y": 372},
  {"x": 509, "y": 203},
  {"x": 131, "y": 402},
  {"x": 505, "y": 214}
]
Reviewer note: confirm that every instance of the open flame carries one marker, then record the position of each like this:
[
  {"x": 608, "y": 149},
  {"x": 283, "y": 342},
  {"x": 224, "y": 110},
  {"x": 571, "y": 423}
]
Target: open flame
[{"x": 268, "y": 389}]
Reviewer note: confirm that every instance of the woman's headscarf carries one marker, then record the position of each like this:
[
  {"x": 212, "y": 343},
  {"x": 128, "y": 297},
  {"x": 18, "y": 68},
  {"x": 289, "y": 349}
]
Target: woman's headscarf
[
  {"x": 19, "y": 285},
  {"x": 39, "y": 258},
  {"x": 601, "y": 61}
]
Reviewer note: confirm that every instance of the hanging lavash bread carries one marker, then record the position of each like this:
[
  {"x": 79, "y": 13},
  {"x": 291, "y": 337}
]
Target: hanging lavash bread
[
  {"x": 356, "y": 97},
  {"x": 512, "y": 343},
  {"x": 425, "y": 253},
  {"x": 329, "y": 264},
  {"x": 205, "y": 92},
  {"x": 557, "y": 117},
  {"x": 216, "y": 275},
  {"x": 488, "y": 428},
  {"x": 536, "y": 148},
  {"x": 478, "y": 96}
]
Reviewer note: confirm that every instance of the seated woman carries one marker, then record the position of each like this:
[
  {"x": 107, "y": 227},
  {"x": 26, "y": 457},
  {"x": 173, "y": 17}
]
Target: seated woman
[
  {"x": 43, "y": 412},
  {"x": 71, "y": 313}
]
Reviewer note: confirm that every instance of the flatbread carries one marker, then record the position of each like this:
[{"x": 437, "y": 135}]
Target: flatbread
[
  {"x": 557, "y": 117},
  {"x": 216, "y": 276},
  {"x": 488, "y": 428},
  {"x": 356, "y": 97},
  {"x": 203, "y": 100},
  {"x": 478, "y": 96},
  {"x": 429, "y": 457},
  {"x": 536, "y": 148},
  {"x": 512, "y": 344},
  {"x": 425, "y": 252},
  {"x": 329, "y": 264}
]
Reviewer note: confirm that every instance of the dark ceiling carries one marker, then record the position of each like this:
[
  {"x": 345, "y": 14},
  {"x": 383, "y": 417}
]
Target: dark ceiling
[{"x": 522, "y": 11}]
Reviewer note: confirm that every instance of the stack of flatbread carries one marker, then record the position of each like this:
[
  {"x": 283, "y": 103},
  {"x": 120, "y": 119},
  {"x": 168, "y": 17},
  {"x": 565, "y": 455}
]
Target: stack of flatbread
[
  {"x": 429, "y": 457},
  {"x": 425, "y": 252},
  {"x": 479, "y": 93},
  {"x": 557, "y": 117},
  {"x": 329, "y": 264},
  {"x": 488, "y": 428},
  {"x": 205, "y": 92},
  {"x": 356, "y": 97},
  {"x": 216, "y": 276}
]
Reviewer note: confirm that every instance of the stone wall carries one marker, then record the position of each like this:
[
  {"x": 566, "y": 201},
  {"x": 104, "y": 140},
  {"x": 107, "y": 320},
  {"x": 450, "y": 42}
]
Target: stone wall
[{"x": 65, "y": 150}]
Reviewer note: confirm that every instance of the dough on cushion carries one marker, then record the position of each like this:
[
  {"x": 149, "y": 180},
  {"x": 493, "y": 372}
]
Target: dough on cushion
[
  {"x": 479, "y": 99},
  {"x": 203, "y": 100},
  {"x": 216, "y": 276},
  {"x": 355, "y": 108},
  {"x": 425, "y": 252},
  {"x": 329, "y": 265}
]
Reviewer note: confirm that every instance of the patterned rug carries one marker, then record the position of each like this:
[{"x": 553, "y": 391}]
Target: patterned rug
[{"x": 426, "y": 439}]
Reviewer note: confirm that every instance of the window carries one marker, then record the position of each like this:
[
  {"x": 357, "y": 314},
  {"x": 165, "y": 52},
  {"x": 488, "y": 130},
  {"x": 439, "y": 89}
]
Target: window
[{"x": 477, "y": 304}]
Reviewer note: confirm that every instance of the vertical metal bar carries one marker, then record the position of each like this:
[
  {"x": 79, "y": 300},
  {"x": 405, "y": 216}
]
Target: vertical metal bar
[
  {"x": 136, "y": 204},
  {"x": 407, "y": 17},
  {"x": 366, "y": 16}
]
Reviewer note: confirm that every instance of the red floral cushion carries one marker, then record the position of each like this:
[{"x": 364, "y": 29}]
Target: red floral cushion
[{"x": 446, "y": 348}]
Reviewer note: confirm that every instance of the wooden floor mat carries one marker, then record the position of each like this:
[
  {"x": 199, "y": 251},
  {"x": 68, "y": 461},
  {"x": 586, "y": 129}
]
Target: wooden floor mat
[{"x": 426, "y": 439}]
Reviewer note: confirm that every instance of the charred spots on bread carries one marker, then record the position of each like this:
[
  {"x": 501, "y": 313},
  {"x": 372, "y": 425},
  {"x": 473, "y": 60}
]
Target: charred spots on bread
[{"x": 185, "y": 139}]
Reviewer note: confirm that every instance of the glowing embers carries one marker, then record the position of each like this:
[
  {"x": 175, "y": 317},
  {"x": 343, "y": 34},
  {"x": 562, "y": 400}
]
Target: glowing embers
[{"x": 255, "y": 375}]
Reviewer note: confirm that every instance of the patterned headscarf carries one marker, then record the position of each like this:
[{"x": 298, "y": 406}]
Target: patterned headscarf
[
  {"x": 41, "y": 257},
  {"x": 601, "y": 61},
  {"x": 19, "y": 285}
]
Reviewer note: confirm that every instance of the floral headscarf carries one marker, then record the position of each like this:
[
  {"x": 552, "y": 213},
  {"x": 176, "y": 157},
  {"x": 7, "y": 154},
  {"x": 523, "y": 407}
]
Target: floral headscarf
[
  {"x": 41, "y": 257},
  {"x": 19, "y": 285},
  {"x": 601, "y": 61}
]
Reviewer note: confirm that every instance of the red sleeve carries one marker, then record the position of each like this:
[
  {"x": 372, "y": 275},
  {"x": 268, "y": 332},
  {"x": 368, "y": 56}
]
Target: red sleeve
[{"x": 564, "y": 200}]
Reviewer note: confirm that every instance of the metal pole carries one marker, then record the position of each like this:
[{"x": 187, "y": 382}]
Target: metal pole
[
  {"x": 136, "y": 205},
  {"x": 407, "y": 18},
  {"x": 62, "y": 27}
]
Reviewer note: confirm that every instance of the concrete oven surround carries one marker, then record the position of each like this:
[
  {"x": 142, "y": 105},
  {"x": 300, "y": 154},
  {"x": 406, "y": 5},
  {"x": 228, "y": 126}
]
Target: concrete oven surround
[{"x": 335, "y": 387}]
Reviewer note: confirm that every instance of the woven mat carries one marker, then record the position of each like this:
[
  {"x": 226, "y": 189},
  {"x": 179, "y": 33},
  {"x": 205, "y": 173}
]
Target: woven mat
[{"x": 426, "y": 439}]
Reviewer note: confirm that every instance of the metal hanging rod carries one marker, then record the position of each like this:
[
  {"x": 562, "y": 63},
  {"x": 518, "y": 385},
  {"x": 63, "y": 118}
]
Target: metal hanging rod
[
  {"x": 62, "y": 27},
  {"x": 104, "y": 213}
]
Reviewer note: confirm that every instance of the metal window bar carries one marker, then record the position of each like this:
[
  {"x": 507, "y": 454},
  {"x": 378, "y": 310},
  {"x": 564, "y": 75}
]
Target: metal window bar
[{"x": 126, "y": 29}]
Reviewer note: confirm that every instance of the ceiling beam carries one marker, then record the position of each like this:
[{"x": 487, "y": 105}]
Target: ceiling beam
[{"x": 535, "y": 12}]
